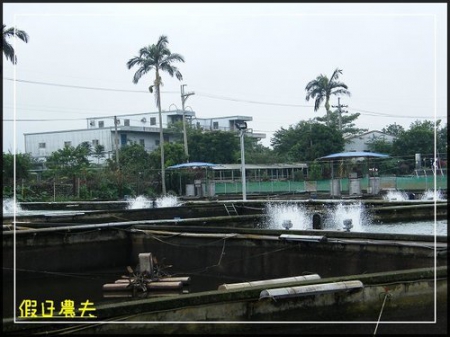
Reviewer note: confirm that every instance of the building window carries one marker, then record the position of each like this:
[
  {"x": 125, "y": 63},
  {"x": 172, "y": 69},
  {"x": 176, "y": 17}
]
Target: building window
[
  {"x": 101, "y": 124},
  {"x": 123, "y": 139},
  {"x": 142, "y": 142},
  {"x": 157, "y": 142},
  {"x": 92, "y": 123},
  {"x": 42, "y": 145},
  {"x": 127, "y": 122},
  {"x": 95, "y": 142},
  {"x": 215, "y": 125},
  {"x": 67, "y": 144},
  {"x": 152, "y": 120}
]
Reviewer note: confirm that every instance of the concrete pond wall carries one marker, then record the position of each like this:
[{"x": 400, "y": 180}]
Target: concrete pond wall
[{"x": 405, "y": 264}]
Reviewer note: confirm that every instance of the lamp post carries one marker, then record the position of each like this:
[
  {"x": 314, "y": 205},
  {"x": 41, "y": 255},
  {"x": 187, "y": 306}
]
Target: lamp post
[
  {"x": 242, "y": 126},
  {"x": 184, "y": 97}
]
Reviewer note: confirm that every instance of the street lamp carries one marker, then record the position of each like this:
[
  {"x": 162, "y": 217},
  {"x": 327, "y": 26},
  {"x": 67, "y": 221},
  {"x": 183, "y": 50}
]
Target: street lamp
[
  {"x": 174, "y": 106},
  {"x": 242, "y": 126}
]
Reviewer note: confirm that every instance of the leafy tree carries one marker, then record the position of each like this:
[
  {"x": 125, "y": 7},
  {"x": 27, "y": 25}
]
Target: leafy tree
[
  {"x": 393, "y": 129},
  {"x": 158, "y": 57},
  {"x": 131, "y": 156},
  {"x": 347, "y": 126},
  {"x": 99, "y": 152},
  {"x": 258, "y": 154},
  {"x": 307, "y": 141},
  {"x": 322, "y": 88},
  {"x": 8, "y": 49},
  {"x": 174, "y": 154},
  {"x": 418, "y": 139},
  {"x": 314, "y": 171},
  {"x": 23, "y": 164},
  {"x": 87, "y": 147},
  {"x": 442, "y": 141},
  {"x": 380, "y": 145},
  {"x": 69, "y": 161},
  {"x": 214, "y": 146}
]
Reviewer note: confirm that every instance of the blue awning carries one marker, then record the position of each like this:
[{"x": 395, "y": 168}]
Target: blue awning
[
  {"x": 354, "y": 154},
  {"x": 192, "y": 165}
]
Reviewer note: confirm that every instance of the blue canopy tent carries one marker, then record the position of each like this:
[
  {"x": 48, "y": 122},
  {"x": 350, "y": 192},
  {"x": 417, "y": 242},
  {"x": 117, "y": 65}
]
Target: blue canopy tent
[
  {"x": 194, "y": 164},
  {"x": 353, "y": 154},
  {"x": 350, "y": 155}
]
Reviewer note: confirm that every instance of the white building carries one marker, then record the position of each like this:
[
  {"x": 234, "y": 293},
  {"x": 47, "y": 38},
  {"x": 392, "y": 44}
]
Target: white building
[
  {"x": 133, "y": 128},
  {"x": 360, "y": 142}
]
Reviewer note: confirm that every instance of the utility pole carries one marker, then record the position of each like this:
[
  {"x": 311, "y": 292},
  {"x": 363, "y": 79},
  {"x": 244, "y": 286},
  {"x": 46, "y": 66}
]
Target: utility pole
[
  {"x": 184, "y": 97},
  {"x": 116, "y": 141},
  {"x": 242, "y": 127},
  {"x": 339, "y": 106}
]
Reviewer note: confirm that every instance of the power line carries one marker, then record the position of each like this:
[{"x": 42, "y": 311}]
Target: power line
[
  {"x": 43, "y": 120},
  {"x": 73, "y": 86},
  {"x": 225, "y": 98},
  {"x": 146, "y": 92},
  {"x": 254, "y": 102}
]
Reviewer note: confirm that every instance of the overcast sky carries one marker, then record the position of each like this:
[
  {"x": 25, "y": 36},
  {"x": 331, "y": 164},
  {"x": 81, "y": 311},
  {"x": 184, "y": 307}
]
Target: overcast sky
[{"x": 240, "y": 59}]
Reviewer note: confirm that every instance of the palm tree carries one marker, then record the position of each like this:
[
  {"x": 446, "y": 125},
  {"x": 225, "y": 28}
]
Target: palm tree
[
  {"x": 322, "y": 88},
  {"x": 158, "y": 57},
  {"x": 99, "y": 152},
  {"x": 8, "y": 50}
]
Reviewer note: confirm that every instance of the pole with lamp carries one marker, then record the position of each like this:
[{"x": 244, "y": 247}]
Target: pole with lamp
[{"x": 242, "y": 127}]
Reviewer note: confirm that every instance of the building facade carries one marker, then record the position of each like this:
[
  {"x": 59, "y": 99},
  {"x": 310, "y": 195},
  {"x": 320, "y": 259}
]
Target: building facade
[
  {"x": 142, "y": 129},
  {"x": 360, "y": 142}
]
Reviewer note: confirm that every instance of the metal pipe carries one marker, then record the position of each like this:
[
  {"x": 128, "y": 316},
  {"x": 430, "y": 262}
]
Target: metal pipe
[
  {"x": 280, "y": 281},
  {"x": 309, "y": 290}
]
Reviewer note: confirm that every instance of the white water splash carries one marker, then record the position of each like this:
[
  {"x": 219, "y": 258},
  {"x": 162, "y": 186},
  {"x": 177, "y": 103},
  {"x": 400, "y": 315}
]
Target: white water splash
[
  {"x": 141, "y": 201},
  {"x": 354, "y": 212},
  {"x": 432, "y": 195},
  {"x": 296, "y": 213},
  {"x": 403, "y": 196},
  {"x": 10, "y": 207},
  {"x": 332, "y": 218},
  {"x": 395, "y": 196}
]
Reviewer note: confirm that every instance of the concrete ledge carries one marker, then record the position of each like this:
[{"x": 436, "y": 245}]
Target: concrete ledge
[{"x": 408, "y": 291}]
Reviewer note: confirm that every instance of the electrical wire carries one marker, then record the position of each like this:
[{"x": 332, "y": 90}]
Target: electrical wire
[{"x": 212, "y": 96}]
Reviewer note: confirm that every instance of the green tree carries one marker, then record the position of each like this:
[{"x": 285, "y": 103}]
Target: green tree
[
  {"x": 307, "y": 141},
  {"x": 321, "y": 88},
  {"x": 256, "y": 153},
  {"x": 175, "y": 154},
  {"x": 346, "y": 124},
  {"x": 393, "y": 129},
  {"x": 218, "y": 147},
  {"x": 69, "y": 162},
  {"x": 157, "y": 57},
  {"x": 98, "y": 152},
  {"x": 419, "y": 138},
  {"x": 380, "y": 145},
  {"x": 23, "y": 164},
  {"x": 8, "y": 49},
  {"x": 314, "y": 171},
  {"x": 138, "y": 171},
  {"x": 442, "y": 141}
]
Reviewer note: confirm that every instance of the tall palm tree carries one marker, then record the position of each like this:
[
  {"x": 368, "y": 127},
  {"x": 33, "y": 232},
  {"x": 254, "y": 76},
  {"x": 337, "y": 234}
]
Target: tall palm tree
[
  {"x": 322, "y": 88},
  {"x": 8, "y": 50},
  {"x": 158, "y": 57}
]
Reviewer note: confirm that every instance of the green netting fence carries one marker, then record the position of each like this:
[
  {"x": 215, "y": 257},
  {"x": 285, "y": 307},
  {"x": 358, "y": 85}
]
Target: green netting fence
[{"x": 422, "y": 183}]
